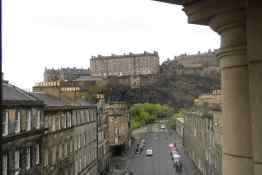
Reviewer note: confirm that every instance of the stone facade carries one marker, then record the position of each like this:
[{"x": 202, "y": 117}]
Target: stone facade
[
  {"x": 22, "y": 132},
  {"x": 118, "y": 126},
  {"x": 70, "y": 141},
  {"x": 64, "y": 74},
  {"x": 180, "y": 127},
  {"x": 202, "y": 134},
  {"x": 125, "y": 65},
  {"x": 61, "y": 89},
  {"x": 238, "y": 22},
  {"x": 103, "y": 150}
]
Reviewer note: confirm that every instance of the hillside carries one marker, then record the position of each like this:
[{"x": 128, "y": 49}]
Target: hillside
[{"x": 172, "y": 88}]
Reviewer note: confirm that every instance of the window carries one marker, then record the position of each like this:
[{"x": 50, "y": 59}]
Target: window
[
  {"x": 28, "y": 158},
  {"x": 17, "y": 122},
  {"x": 53, "y": 123},
  {"x": 80, "y": 162},
  {"x": 74, "y": 118},
  {"x": 60, "y": 151},
  {"x": 78, "y": 118},
  {"x": 46, "y": 122},
  {"x": 17, "y": 159},
  {"x": 71, "y": 145},
  {"x": 53, "y": 156},
  {"x": 64, "y": 117},
  {"x": 59, "y": 122},
  {"x": 69, "y": 119},
  {"x": 84, "y": 138},
  {"x": 4, "y": 165},
  {"x": 46, "y": 158},
  {"x": 76, "y": 167},
  {"x": 75, "y": 143},
  {"x": 65, "y": 149},
  {"x": 5, "y": 123},
  {"x": 79, "y": 142},
  {"x": 87, "y": 115},
  {"x": 38, "y": 119},
  {"x": 37, "y": 156},
  {"x": 29, "y": 120}
]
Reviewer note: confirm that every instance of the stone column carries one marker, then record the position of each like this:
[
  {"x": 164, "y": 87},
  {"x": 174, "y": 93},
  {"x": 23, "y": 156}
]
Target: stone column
[
  {"x": 228, "y": 18},
  {"x": 237, "y": 147},
  {"x": 254, "y": 48}
]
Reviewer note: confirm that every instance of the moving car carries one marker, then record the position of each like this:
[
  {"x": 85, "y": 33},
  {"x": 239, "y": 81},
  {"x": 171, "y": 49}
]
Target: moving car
[{"x": 149, "y": 152}]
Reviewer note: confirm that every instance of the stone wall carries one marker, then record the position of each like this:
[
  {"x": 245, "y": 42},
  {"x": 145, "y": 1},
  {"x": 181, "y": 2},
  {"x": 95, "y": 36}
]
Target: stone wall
[
  {"x": 121, "y": 65},
  {"x": 63, "y": 74}
]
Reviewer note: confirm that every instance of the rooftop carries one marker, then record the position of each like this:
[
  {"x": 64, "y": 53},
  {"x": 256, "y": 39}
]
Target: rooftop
[
  {"x": 14, "y": 95},
  {"x": 58, "y": 103},
  {"x": 126, "y": 55}
]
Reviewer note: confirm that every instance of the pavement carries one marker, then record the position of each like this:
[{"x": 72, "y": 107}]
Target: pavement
[{"x": 160, "y": 163}]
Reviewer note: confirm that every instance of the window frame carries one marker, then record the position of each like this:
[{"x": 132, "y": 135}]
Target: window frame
[
  {"x": 5, "y": 164},
  {"x": 5, "y": 123},
  {"x": 17, "y": 159},
  {"x": 29, "y": 120},
  {"x": 28, "y": 158}
]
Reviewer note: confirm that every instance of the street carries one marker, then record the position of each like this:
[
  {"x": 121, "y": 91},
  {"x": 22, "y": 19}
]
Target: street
[{"x": 160, "y": 162}]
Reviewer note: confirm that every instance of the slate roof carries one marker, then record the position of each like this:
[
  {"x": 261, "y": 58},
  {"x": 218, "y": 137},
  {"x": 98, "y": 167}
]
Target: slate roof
[
  {"x": 52, "y": 102},
  {"x": 48, "y": 100},
  {"x": 13, "y": 95}
]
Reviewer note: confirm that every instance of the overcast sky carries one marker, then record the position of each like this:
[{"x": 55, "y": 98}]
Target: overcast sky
[{"x": 66, "y": 33}]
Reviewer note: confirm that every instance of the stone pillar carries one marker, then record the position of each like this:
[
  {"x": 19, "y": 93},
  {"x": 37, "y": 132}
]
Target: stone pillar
[
  {"x": 254, "y": 46},
  {"x": 228, "y": 18},
  {"x": 237, "y": 148}
]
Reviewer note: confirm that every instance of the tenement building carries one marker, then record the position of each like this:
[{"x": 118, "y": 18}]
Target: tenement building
[
  {"x": 65, "y": 74},
  {"x": 22, "y": 132},
  {"x": 103, "y": 150},
  {"x": 238, "y": 22},
  {"x": 202, "y": 134},
  {"x": 118, "y": 127},
  {"x": 69, "y": 144},
  {"x": 127, "y": 64}
]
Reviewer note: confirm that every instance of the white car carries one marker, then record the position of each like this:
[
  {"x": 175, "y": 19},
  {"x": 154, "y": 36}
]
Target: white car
[
  {"x": 149, "y": 152},
  {"x": 162, "y": 127}
]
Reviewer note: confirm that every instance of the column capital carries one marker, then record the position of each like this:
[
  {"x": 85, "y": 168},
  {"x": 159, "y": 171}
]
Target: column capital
[{"x": 202, "y": 11}]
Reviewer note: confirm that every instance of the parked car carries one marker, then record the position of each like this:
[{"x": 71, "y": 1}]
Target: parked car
[
  {"x": 177, "y": 162},
  {"x": 162, "y": 127},
  {"x": 149, "y": 152}
]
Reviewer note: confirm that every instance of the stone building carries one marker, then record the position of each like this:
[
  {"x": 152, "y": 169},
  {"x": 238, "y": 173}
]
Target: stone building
[
  {"x": 122, "y": 65},
  {"x": 70, "y": 141},
  {"x": 238, "y": 22},
  {"x": 180, "y": 127},
  {"x": 103, "y": 150},
  {"x": 22, "y": 132},
  {"x": 202, "y": 133},
  {"x": 205, "y": 64},
  {"x": 62, "y": 89},
  {"x": 118, "y": 127},
  {"x": 64, "y": 74}
]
